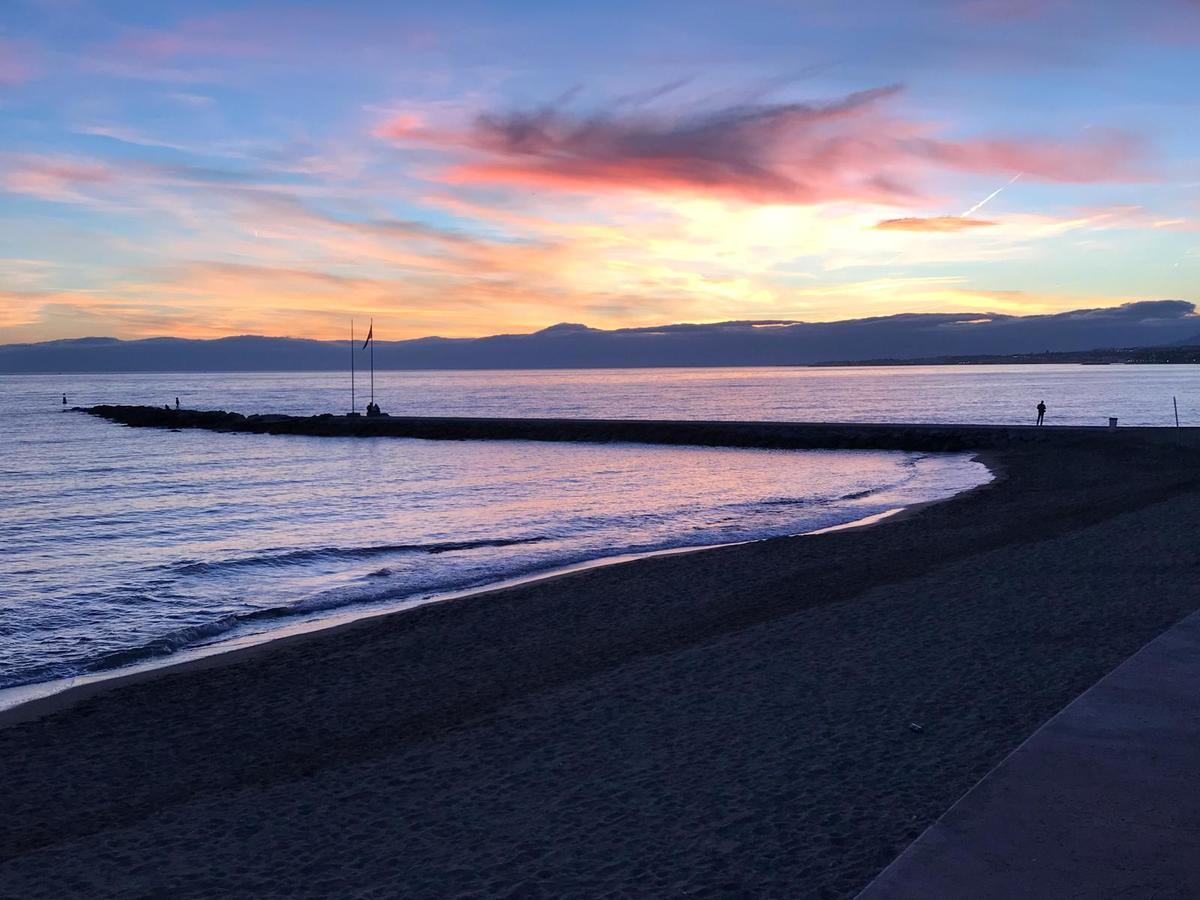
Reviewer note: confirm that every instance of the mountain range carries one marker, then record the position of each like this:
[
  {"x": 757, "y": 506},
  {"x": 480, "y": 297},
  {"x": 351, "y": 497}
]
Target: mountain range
[{"x": 743, "y": 343}]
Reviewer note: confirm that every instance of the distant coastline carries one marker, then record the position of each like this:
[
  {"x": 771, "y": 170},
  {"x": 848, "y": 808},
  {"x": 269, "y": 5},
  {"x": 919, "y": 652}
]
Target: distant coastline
[
  {"x": 1151, "y": 327},
  {"x": 1127, "y": 356}
]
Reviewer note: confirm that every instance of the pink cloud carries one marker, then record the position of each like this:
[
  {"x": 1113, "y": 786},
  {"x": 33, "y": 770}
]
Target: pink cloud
[
  {"x": 1106, "y": 156},
  {"x": 400, "y": 127},
  {"x": 16, "y": 63},
  {"x": 60, "y": 179},
  {"x": 210, "y": 48},
  {"x": 852, "y": 149},
  {"x": 1008, "y": 10},
  {"x": 214, "y": 36}
]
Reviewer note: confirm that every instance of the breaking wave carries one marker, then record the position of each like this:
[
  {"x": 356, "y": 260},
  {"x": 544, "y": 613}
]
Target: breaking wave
[{"x": 315, "y": 554}]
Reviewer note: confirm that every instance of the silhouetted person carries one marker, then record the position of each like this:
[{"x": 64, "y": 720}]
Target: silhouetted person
[
  {"x": 177, "y": 403},
  {"x": 64, "y": 399},
  {"x": 1041, "y": 408}
]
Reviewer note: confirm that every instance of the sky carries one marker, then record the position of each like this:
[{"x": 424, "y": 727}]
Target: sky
[{"x": 212, "y": 168}]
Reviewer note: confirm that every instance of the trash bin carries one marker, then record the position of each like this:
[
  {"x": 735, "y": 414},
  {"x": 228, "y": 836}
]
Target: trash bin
[{"x": 1112, "y": 421}]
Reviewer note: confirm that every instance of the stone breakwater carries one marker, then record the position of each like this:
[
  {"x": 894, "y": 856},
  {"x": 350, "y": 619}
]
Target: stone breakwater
[{"x": 768, "y": 435}]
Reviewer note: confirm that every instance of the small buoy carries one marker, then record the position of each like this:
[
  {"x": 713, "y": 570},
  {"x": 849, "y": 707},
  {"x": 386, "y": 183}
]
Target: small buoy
[{"x": 913, "y": 726}]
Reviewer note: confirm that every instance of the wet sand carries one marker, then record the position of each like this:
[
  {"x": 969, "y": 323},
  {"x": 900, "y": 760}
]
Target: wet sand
[{"x": 734, "y": 722}]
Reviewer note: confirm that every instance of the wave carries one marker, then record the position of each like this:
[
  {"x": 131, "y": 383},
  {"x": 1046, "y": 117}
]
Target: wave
[
  {"x": 287, "y": 557},
  {"x": 859, "y": 495},
  {"x": 326, "y": 601},
  {"x": 168, "y": 643},
  {"x": 817, "y": 502}
]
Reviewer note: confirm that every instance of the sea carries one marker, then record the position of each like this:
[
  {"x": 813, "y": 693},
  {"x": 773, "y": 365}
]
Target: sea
[{"x": 126, "y": 547}]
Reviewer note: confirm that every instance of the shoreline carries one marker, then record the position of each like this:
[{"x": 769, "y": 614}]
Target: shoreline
[
  {"x": 733, "y": 721},
  {"x": 23, "y": 703}
]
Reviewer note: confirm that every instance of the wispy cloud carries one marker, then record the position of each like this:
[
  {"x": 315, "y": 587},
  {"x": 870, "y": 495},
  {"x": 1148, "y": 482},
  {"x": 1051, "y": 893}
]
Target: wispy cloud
[
  {"x": 936, "y": 224},
  {"x": 219, "y": 47},
  {"x": 58, "y": 179},
  {"x": 17, "y": 64},
  {"x": 195, "y": 101}
]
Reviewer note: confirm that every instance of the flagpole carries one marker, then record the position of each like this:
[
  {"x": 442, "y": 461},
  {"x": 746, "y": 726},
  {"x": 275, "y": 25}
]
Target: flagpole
[
  {"x": 353, "y": 407},
  {"x": 372, "y": 360}
]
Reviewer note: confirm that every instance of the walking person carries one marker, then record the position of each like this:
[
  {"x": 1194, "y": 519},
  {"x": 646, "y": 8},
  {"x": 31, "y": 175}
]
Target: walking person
[{"x": 1041, "y": 409}]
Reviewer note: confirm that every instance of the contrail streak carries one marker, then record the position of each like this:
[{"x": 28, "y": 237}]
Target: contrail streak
[{"x": 976, "y": 207}]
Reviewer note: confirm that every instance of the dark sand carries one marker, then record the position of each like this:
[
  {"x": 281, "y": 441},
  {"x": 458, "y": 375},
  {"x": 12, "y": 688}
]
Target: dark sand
[{"x": 728, "y": 723}]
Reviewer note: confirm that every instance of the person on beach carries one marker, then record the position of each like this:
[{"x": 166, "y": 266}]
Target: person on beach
[{"x": 1041, "y": 409}]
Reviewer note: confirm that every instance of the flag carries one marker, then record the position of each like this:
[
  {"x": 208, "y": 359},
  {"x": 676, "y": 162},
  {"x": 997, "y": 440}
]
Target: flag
[{"x": 370, "y": 334}]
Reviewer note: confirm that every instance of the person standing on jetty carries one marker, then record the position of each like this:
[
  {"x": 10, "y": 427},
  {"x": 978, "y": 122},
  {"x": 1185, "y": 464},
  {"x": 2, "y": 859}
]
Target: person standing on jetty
[
  {"x": 64, "y": 403},
  {"x": 1041, "y": 408}
]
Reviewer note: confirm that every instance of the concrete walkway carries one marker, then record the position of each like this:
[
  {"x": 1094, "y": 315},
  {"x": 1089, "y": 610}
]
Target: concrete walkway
[{"x": 1101, "y": 802}]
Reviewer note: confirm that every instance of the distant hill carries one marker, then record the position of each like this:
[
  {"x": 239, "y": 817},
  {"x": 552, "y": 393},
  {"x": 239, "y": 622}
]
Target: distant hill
[
  {"x": 906, "y": 337},
  {"x": 1188, "y": 354}
]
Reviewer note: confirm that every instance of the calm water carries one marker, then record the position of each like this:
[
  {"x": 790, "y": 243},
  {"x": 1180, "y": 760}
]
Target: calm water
[
  {"x": 1075, "y": 395},
  {"x": 121, "y": 545}
]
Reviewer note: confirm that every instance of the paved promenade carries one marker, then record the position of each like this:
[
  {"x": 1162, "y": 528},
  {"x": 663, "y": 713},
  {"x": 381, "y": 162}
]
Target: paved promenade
[{"x": 1102, "y": 802}]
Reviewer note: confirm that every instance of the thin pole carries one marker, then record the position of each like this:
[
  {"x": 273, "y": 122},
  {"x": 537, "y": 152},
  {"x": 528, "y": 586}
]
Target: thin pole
[
  {"x": 1176, "y": 402},
  {"x": 372, "y": 361},
  {"x": 353, "y": 407}
]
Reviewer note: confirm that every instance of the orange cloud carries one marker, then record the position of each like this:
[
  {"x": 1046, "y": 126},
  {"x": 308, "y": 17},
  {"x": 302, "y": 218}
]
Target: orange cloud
[{"x": 936, "y": 224}]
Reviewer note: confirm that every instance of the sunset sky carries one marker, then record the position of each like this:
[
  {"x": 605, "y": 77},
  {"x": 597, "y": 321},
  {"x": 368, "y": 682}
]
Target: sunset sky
[{"x": 215, "y": 168}]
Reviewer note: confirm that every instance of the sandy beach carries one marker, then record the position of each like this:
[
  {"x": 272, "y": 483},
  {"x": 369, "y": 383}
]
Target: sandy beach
[{"x": 735, "y": 722}]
